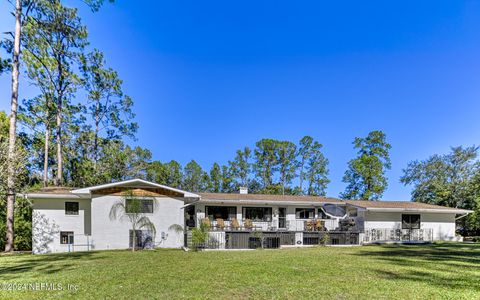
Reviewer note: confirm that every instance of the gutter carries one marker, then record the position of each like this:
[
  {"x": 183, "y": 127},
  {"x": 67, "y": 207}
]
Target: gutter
[
  {"x": 189, "y": 204},
  {"x": 54, "y": 196},
  {"x": 427, "y": 210},
  {"x": 267, "y": 202}
]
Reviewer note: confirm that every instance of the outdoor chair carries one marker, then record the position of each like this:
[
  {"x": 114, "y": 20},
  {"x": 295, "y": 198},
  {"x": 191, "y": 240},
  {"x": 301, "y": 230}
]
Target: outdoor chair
[
  {"x": 248, "y": 224},
  {"x": 309, "y": 225},
  {"x": 220, "y": 224},
  {"x": 234, "y": 224},
  {"x": 320, "y": 225}
]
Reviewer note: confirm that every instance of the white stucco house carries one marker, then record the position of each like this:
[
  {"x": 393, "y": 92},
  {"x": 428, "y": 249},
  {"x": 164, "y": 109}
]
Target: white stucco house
[{"x": 66, "y": 219}]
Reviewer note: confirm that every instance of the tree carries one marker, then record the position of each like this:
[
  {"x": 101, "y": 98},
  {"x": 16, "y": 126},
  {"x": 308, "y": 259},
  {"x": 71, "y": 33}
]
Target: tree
[
  {"x": 37, "y": 113},
  {"x": 216, "y": 178},
  {"x": 116, "y": 162},
  {"x": 17, "y": 163},
  {"x": 240, "y": 167},
  {"x": 174, "y": 174},
  {"x": 20, "y": 18},
  {"x": 131, "y": 208},
  {"x": 194, "y": 177},
  {"x": 205, "y": 184},
  {"x": 78, "y": 168},
  {"x": 287, "y": 164},
  {"x": 137, "y": 162},
  {"x": 317, "y": 171},
  {"x": 6, "y": 64},
  {"x": 228, "y": 183},
  {"x": 112, "y": 164},
  {"x": 266, "y": 160},
  {"x": 451, "y": 180},
  {"x": 305, "y": 153},
  {"x": 445, "y": 179},
  {"x": 365, "y": 176},
  {"x": 156, "y": 172},
  {"x": 12, "y": 141},
  {"x": 110, "y": 109},
  {"x": 54, "y": 39}
]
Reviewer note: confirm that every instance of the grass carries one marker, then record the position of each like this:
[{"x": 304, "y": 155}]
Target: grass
[{"x": 437, "y": 271}]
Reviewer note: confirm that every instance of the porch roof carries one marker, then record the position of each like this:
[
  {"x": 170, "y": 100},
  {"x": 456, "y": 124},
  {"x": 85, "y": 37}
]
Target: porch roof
[
  {"x": 266, "y": 198},
  {"x": 404, "y": 206}
]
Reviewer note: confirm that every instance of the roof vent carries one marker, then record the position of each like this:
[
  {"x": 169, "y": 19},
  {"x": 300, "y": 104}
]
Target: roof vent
[{"x": 243, "y": 190}]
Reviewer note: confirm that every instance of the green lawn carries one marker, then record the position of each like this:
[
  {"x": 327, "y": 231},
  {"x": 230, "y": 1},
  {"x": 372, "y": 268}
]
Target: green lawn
[{"x": 370, "y": 272}]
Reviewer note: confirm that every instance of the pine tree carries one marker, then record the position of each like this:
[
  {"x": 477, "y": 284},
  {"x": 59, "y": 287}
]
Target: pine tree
[
  {"x": 216, "y": 178},
  {"x": 365, "y": 176}
]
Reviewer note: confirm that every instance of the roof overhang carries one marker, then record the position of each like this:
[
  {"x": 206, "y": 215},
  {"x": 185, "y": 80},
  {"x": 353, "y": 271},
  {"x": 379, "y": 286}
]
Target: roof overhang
[
  {"x": 424, "y": 210},
  {"x": 133, "y": 183},
  {"x": 265, "y": 202},
  {"x": 86, "y": 193},
  {"x": 53, "y": 196}
]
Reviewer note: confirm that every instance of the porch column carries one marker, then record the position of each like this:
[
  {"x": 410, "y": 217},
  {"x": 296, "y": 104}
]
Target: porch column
[
  {"x": 239, "y": 214},
  {"x": 275, "y": 212}
]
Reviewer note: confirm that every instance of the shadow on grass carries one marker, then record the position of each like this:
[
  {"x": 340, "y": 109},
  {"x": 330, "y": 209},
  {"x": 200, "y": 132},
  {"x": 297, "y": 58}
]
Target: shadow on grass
[
  {"x": 19, "y": 266},
  {"x": 455, "y": 265}
]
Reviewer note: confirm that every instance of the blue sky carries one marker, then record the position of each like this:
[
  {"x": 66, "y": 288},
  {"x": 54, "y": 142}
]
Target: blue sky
[{"x": 209, "y": 77}]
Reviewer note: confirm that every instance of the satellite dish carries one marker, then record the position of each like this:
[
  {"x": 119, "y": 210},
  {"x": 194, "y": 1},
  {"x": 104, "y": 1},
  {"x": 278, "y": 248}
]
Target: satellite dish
[{"x": 334, "y": 210}]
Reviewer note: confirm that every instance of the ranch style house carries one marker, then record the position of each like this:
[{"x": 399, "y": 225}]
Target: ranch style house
[{"x": 66, "y": 219}]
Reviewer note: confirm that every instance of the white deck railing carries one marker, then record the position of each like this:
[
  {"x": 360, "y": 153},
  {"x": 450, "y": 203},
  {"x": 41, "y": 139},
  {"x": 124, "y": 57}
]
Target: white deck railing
[
  {"x": 373, "y": 235},
  {"x": 255, "y": 225},
  {"x": 291, "y": 225},
  {"x": 301, "y": 224}
]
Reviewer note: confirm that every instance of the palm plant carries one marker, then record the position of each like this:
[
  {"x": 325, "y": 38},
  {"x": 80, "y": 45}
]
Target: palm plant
[
  {"x": 200, "y": 235},
  {"x": 134, "y": 210},
  {"x": 178, "y": 229}
]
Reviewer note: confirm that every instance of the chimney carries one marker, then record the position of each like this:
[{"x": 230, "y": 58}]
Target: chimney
[{"x": 243, "y": 190}]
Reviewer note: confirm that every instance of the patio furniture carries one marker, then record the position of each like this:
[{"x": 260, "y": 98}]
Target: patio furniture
[
  {"x": 234, "y": 224},
  {"x": 220, "y": 224},
  {"x": 320, "y": 225},
  {"x": 248, "y": 224},
  {"x": 309, "y": 225}
]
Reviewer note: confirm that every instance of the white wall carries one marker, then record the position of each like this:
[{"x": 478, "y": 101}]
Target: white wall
[
  {"x": 114, "y": 234},
  {"x": 443, "y": 224},
  {"x": 49, "y": 219}
]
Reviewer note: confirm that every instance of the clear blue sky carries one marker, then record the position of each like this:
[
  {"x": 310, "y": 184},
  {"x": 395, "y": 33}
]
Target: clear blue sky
[{"x": 209, "y": 77}]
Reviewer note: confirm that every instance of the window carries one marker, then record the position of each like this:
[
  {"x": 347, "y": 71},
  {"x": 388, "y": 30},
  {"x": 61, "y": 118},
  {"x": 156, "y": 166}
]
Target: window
[
  {"x": 258, "y": 213},
  {"x": 410, "y": 221},
  {"x": 143, "y": 239},
  {"x": 305, "y": 213},
  {"x": 322, "y": 215},
  {"x": 66, "y": 237},
  {"x": 221, "y": 212},
  {"x": 144, "y": 206},
  {"x": 71, "y": 208}
]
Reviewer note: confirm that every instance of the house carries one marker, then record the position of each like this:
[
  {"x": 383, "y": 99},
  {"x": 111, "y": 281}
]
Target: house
[{"x": 67, "y": 219}]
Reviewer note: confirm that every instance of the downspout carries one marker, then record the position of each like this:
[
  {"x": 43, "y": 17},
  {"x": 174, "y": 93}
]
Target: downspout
[{"x": 462, "y": 216}]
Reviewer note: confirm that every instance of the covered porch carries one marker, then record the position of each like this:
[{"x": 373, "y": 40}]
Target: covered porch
[
  {"x": 256, "y": 217},
  {"x": 263, "y": 225}
]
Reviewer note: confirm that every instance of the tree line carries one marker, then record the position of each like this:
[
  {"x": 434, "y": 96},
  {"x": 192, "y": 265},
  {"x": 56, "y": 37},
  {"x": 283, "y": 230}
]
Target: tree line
[
  {"x": 269, "y": 167},
  {"x": 283, "y": 167}
]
